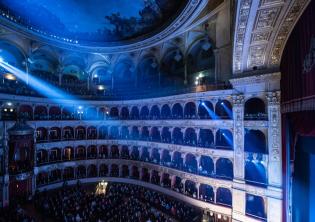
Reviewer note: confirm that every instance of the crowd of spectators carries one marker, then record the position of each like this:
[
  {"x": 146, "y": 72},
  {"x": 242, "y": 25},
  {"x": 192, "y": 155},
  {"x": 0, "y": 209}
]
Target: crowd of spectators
[
  {"x": 122, "y": 202},
  {"x": 14, "y": 213}
]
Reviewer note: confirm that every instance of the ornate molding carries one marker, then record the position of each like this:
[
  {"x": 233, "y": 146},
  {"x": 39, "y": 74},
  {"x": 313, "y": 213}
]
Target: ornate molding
[
  {"x": 189, "y": 14},
  {"x": 262, "y": 30}
]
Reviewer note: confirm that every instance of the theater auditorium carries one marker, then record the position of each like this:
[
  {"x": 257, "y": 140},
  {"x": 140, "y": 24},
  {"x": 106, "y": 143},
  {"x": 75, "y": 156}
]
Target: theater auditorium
[{"x": 157, "y": 110}]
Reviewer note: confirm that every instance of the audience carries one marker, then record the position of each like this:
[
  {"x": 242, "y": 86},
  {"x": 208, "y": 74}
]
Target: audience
[{"x": 122, "y": 202}]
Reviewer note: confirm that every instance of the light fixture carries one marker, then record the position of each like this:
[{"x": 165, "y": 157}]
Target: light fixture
[
  {"x": 100, "y": 87},
  {"x": 9, "y": 76},
  {"x": 206, "y": 46},
  {"x": 178, "y": 56},
  {"x": 196, "y": 83},
  {"x": 203, "y": 103},
  {"x": 9, "y": 103},
  {"x": 80, "y": 107},
  {"x": 95, "y": 76}
]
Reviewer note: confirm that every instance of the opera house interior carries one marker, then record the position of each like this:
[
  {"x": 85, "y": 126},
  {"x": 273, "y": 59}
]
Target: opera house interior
[{"x": 157, "y": 110}]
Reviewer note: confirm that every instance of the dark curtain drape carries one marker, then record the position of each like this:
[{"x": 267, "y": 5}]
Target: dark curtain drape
[
  {"x": 297, "y": 92},
  {"x": 298, "y": 65}
]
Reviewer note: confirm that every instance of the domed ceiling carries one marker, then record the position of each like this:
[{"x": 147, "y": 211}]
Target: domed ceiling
[{"x": 94, "y": 23}]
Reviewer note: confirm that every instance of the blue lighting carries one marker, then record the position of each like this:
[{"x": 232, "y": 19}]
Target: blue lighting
[
  {"x": 227, "y": 110},
  {"x": 38, "y": 85},
  {"x": 210, "y": 112},
  {"x": 1, "y": 60}
]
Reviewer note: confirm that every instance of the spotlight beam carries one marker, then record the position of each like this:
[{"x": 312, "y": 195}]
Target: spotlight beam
[{"x": 38, "y": 85}]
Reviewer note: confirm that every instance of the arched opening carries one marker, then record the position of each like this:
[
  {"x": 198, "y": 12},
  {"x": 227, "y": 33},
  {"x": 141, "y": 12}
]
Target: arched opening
[
  {"x": 55, "y": 176},
  {"x": 125, "y": 152},
  {"x": 92, "y": 152},
  {"x": 191, "y": 163},
  {"x": 114, "y": 152},
  {"x": 223, "y": 110},
  {"x": 91, "y": 133},
  {"x": 155, "y": 134},
  {"x": 255, "y": 207},
  {"x": 114, "y": 113},
  {"x": 255, "y": 142},
  {"x": 177, "y": 111},
  {"x": 206, "y": 138},
  {"x": 224, "y": 197},
  {"x": 166, "y": 135},
  {"x": 178, "y": 136},
  {"x": 41, "y": 157},
  {"x": 80, "y": 153},
  {"x": 177, "y": 161},
  {"x": 40, "y": 113},
  {"x": 135, "y": 154},
  {"x": 92, "y": 171},
  {"x": 172, "y": 68},
  {"x": 114, "y": 171},
  {"x": 155, "y": 156},
  {"x": 166, "y": 112},
  {"x": 54, "y": 134},
  {"x": 68, "y": 154},
  {"x": 206, "y": 193},
  {"x": 80, "y": 133},
  {"x": 144, "y": 113},
  {"x": 134, "y": 114},
  {"x": 135, "y": 174},
  {"x": 166, "y": 181},
  {"x": 205, "y": 110},
  {"x": 190, "y": 137},
  {"x": 155, "y": 112},
  {"x": 90, "y": 113},
  {"x": 124, "y": 113},
  {"x": 190, "y": 111},
  {"x": 41, "y": 135},
  {"x": 68, "y": 173},
  {"x": 103, "y": 171},
  {"x": 103, "y": 133},
  {"x": 68, "y": 113},
  {"x": 55, "y": 155},
  {"x": 155, "y": 178},
  {"x": 201, "y": 60},
  {"x": 114, "y": 133},
  {"x": 255, "y": 109},
  {"x": 54, "y": 113},
  {"x": 124, "y": 132},
  {"x": 135, "y": 133},
  {"x": 68, "y": 133},
  {"x": 190, "y": 188},
  {"x": 145, "y": 133},
  {"x": 125, "y": 171},
  {"x": 224, "y": 169},
  {"x": 224, "y": 139},
  {"x": 26, "y": 112},
  {"x": 145, "y": 155},
  {"x": 145, "y": 175},
  {"x": 177, "y": 184},
  {"x": 255, "y": 171},
  {"x": 103, "y": 152},
  {"x": 166, "y": 158},
  {"x": 206, "y": 167},
  {"x": 148, "y": 70}
]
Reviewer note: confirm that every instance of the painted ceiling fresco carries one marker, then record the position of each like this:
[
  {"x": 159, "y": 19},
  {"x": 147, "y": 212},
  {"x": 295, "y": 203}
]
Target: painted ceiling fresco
[{"x": 94, "y": 21}]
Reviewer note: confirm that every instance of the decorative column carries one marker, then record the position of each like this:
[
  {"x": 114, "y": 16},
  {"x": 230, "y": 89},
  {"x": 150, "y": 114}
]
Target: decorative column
[
  {"x": 238, "y": 192},
  {"x": 274, "y": 205},
  {"x": 238, "y": 136},
  {"x": 274, "y": 140}
]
